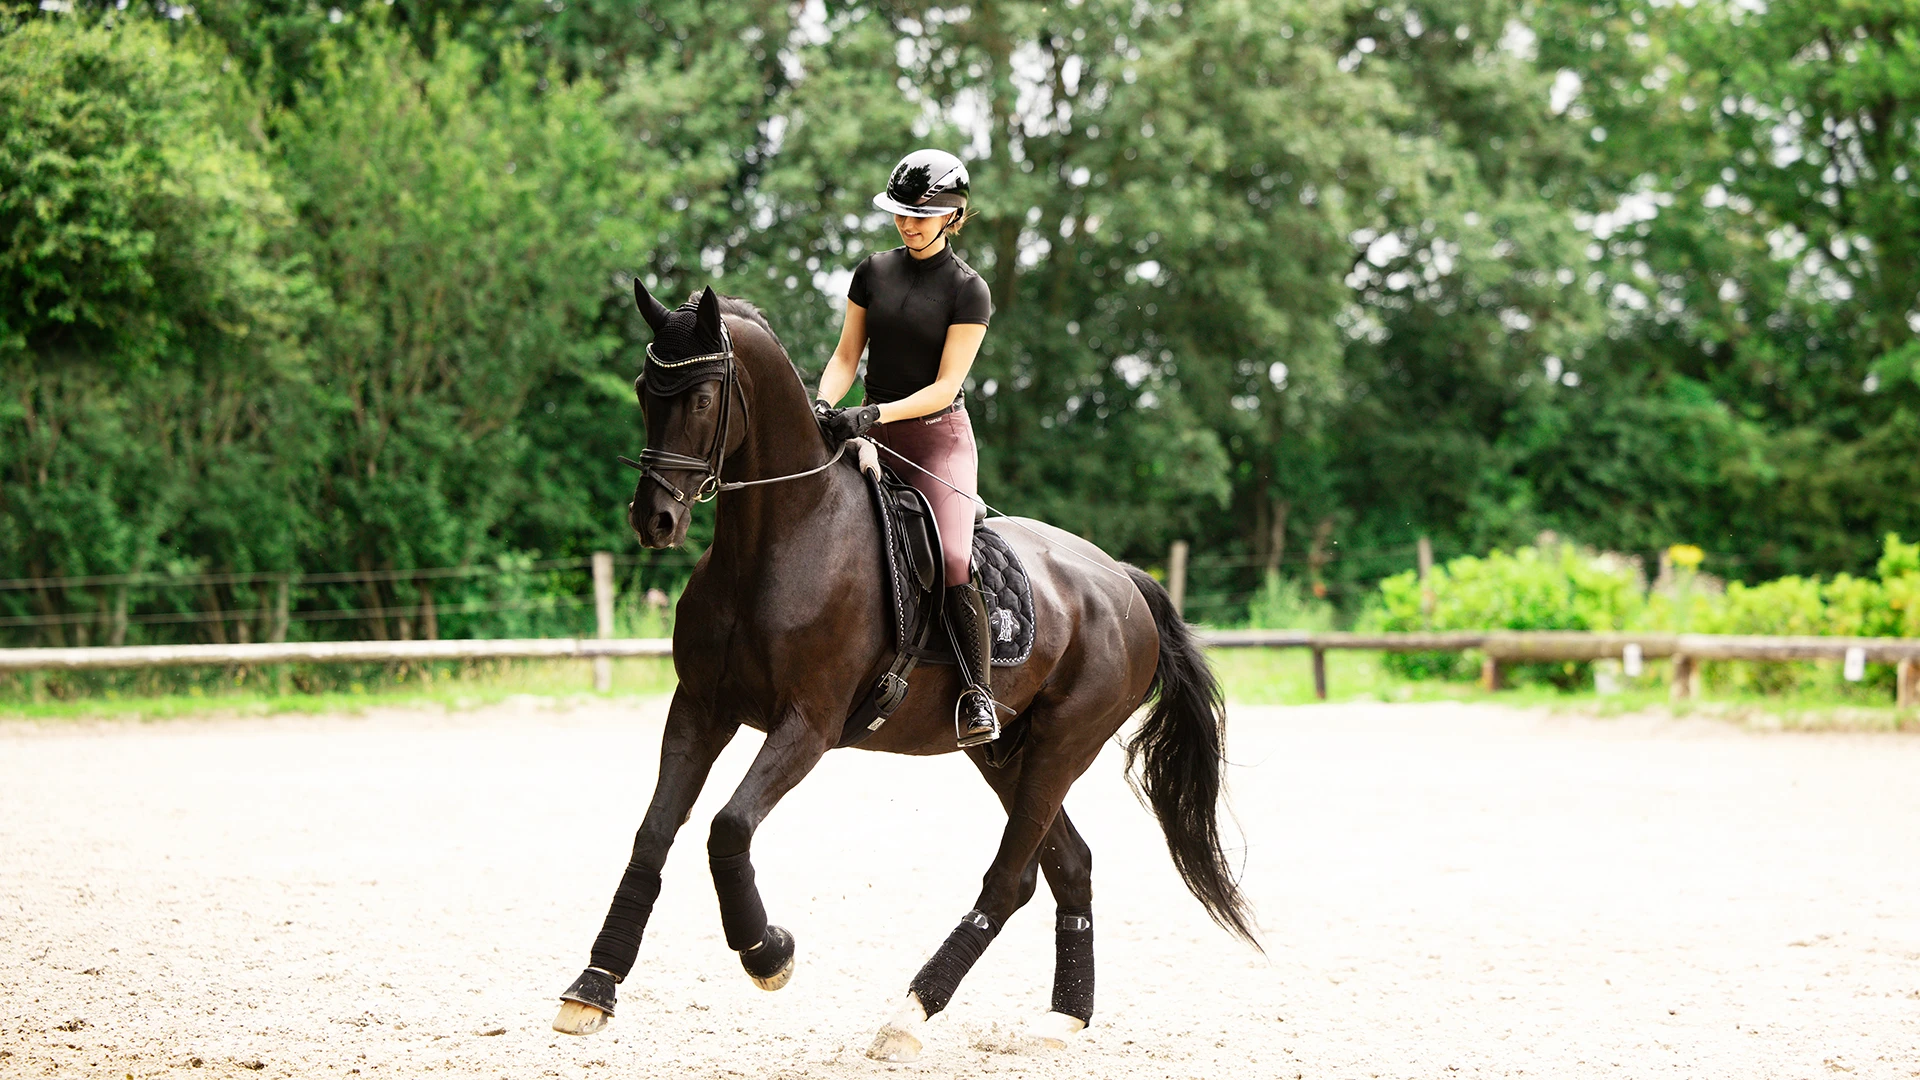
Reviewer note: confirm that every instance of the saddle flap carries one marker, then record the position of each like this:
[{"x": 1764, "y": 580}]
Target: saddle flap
[{"x": 920, "y": 535}]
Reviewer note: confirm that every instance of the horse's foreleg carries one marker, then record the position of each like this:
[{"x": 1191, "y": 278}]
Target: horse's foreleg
[
  {"x": 792, "y": 749},
  {"x": 688, "y": 748}
]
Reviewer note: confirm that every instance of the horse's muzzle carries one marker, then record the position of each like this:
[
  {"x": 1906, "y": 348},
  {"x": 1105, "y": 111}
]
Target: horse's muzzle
[{"x": 657, "y": 525}]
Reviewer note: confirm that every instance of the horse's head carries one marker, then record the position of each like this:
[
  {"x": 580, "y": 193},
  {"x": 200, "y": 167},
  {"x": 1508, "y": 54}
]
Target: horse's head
[{"x": 691, "y": 402}]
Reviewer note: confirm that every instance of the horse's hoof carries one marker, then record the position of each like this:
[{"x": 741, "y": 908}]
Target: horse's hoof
[
  {"x": 778, "y": 979},
  {"x": 1054, "y": 1030},
  {"x": 587, "y": 1005},
  {"x": 770, "y": 963},
  {"x": 899, "y": 1038},
  {"x": 578, "y": 1019}
]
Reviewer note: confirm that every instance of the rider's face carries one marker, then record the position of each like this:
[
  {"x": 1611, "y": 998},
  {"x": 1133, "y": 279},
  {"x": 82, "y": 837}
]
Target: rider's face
[{"x": 919, "y": 231}]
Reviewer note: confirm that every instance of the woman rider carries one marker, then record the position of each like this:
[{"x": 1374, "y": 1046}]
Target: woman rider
[{"x": 920, "y": 313}]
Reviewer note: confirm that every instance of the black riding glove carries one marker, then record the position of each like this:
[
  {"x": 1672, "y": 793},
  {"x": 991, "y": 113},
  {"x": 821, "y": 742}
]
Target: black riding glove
[{"x": 844, "y": 424}]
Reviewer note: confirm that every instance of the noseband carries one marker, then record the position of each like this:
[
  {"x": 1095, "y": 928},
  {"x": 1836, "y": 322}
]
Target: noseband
[{"x": 654, "y": 464}]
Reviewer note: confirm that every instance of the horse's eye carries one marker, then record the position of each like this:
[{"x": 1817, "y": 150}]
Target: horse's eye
[{"x": 701, "y": 402}]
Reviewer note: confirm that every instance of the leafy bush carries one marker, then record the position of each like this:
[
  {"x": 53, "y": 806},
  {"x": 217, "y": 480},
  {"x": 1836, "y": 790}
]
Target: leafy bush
[
  {"x": 1564, "y": 589},
  {"x": 1282, "y": 605},
  {"x": 1787, "y": 606},
  {"x": 1897, "y": 559},
  {"x": 1845, "y": 606},
  {"x": 1903, "y": 604},
  {"x": 1557, "y": 588}
]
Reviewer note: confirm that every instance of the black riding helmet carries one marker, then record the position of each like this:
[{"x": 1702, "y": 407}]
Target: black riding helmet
[{"x": 926, "y": 183}]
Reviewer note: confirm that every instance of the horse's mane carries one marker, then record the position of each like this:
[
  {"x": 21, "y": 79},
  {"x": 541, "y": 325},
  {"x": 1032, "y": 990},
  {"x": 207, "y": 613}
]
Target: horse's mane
[{"x": 733, "y": 305}]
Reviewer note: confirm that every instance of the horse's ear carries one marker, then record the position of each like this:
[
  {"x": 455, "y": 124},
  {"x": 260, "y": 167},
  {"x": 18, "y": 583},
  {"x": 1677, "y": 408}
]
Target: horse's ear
[
  {"x": 650, "y": 309},
  {"x": 707, "y": 316}
]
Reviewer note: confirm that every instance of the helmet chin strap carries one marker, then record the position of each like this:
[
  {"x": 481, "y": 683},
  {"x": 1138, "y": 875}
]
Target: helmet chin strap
[{"x": 936, "y": 236}]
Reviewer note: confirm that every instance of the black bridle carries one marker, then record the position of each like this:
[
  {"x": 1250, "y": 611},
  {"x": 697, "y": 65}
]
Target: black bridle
[{"x": 654, "y": 464}]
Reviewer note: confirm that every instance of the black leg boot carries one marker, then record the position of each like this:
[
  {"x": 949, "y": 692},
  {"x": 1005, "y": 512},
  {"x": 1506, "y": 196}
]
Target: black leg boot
[{"x": 976, "y": 718}]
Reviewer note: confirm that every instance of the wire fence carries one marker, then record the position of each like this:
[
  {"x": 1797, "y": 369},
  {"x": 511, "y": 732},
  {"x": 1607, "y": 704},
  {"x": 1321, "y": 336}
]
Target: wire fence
[
  {"x": 527, "y": 597},
  {"x": 510, "y": 597},
  {"x": 522, "y": 597}
]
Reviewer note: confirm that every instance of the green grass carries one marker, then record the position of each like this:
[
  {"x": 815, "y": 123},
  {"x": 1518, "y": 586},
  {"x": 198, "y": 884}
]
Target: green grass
[
  {"x": 1285, "y": 677},
  {"x": 309, "y": 688},
  {"x": 1249, "y": 676}
]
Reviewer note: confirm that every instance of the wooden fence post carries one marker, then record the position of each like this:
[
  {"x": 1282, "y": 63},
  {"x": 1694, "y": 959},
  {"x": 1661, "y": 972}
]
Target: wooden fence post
[
  {"x": 281, "y": 603},
  {"x": 1177, "y": 576},
  {"x": 1424, "y": 555},
  {"x": 1489, "y": 673},
  {"x": 1906, "y": 683},
  {"x": 1686, "y": 678},
  {"x": 1320, "y": 674},
  {"x": 1277, "y": 536},
  {"x": 117, "y": 628},
  {"x": 429, "y": 614},
  {"x": 603, "y": 617}
]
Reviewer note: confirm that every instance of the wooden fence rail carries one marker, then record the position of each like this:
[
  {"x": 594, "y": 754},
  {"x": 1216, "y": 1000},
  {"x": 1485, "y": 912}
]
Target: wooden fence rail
[{"x": 1498, "y": 648}]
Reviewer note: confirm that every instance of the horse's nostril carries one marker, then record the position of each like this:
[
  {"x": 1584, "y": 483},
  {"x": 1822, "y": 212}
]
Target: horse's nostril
[{"x": 662, "y": 523}]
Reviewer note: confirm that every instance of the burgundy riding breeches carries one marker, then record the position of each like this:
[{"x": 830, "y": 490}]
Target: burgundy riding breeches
[{"x": 941, "y": 445}]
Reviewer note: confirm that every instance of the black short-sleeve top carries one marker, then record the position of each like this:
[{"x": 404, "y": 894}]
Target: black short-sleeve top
[{"x": 910, "y": 304}]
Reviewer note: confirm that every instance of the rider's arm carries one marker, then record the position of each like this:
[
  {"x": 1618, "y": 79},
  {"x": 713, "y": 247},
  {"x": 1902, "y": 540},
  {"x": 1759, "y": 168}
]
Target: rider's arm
[
  {"x": 956, "y": 359},
  {"x": 838, "y": 378}
]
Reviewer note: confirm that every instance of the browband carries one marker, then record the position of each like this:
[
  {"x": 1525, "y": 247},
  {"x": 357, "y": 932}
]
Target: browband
[{"x": 666, "y": 378}]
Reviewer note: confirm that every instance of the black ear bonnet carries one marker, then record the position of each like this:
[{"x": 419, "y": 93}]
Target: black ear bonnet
[{"x": 684, "y": 352}]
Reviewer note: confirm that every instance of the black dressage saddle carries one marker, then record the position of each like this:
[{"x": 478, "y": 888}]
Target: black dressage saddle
[{"x": 911, "y": 563}]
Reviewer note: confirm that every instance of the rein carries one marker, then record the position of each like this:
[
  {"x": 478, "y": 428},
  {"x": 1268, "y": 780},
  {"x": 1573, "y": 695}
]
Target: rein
[{"x": 654, "y": 464}]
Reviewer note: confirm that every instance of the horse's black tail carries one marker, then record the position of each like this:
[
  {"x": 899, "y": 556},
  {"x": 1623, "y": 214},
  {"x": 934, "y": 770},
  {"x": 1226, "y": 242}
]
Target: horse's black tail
[{"x": 1173, "y": 763}]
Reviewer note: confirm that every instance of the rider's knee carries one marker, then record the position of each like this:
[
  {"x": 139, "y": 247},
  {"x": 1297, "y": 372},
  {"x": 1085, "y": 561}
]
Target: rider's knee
[{"x": 959, "y": 569}]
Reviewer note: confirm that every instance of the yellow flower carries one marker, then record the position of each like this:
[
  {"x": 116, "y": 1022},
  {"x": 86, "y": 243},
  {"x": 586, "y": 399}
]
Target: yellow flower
[{"x": 1686, "y": 556}]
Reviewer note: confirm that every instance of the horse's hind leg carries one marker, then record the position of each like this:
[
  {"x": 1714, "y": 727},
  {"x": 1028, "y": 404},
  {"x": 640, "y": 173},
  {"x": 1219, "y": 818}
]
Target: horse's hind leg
[
  {"x": 688, "y": 748},
  {"x": 1046, "y": 771},
  {"x": 1068, "y": 863}
]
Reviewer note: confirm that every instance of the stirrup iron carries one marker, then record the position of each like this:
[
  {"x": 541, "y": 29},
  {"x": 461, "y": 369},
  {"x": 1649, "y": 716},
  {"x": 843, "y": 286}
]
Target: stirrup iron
[{"x": 964, "y": 737}]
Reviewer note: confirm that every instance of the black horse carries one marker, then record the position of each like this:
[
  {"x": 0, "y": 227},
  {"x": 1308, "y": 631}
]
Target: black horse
[{"x": 783, "y": 627}]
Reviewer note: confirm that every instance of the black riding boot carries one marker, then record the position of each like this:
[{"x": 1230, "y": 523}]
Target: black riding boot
[{"x": 976, "y": 719}]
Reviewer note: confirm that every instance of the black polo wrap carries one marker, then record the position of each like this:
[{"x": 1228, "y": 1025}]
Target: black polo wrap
[
  {"x": 619, "y": 941},
  {"x": 1073, "y": 963},
  {"x": 742, "y": 914},
  {"x": 941, "y": 974}
]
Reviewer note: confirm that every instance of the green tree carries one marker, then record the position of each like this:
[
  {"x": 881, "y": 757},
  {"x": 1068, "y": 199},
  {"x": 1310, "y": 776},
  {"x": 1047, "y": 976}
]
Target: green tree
[
  {"x": 151, "y": 317},
  {"x": 1756, "y": 220},
  {"x": 471, "y": 233}
]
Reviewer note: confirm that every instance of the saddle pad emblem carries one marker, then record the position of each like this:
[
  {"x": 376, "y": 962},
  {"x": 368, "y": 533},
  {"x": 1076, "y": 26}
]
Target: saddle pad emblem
[{"x": 1002, "y": 624}]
